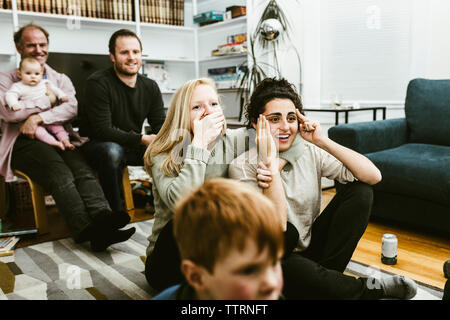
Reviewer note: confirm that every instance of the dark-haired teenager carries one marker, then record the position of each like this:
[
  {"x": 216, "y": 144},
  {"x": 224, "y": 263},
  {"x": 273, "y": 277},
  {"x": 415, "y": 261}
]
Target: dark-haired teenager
[
  {"x": 118, "y": 100},
  {"x": 292, "y": 156}
]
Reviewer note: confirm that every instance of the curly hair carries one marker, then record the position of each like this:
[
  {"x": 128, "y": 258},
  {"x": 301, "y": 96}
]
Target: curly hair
[{"x": 267, "y": 90}]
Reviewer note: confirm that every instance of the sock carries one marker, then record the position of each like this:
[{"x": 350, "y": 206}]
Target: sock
[
  {"x": 112, "y": 219},
  {"x": 446, "y": 290},
  {"x": 120, "y": 219},
  {"x": 103, "y": 240},
  {"x": 398, "y": 287}
]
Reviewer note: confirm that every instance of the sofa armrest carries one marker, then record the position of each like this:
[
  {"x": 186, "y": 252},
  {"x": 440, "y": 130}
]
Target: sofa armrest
[{"x": 366, "y": 137}]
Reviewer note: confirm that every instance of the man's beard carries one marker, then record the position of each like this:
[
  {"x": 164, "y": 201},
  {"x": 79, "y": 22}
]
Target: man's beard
[{"x": 125, "y": 72}]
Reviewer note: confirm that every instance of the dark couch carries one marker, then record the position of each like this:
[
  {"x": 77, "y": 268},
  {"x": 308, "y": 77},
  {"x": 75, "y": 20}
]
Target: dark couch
[{"x": 413, "y": 155}]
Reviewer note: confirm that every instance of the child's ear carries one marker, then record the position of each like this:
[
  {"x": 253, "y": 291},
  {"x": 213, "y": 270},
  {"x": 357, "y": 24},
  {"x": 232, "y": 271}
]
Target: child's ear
[
  {"x": 19, "y": 74},
  {"x": 194, "y": 274}
]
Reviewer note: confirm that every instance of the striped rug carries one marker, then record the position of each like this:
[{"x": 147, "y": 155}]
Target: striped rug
[{"x": 63, "y": 270}]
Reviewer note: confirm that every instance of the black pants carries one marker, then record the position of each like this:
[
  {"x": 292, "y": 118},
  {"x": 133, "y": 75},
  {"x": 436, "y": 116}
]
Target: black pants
[
  {"x": 446, "y": 295},
  {"x": 304, "y": 277},
  {"x": 67, "y": 177},
  {"x": 334, "y": 237},
  {"x": 109, "y": 160}
]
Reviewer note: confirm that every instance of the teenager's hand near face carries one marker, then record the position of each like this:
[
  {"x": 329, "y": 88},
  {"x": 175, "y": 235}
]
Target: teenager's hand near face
[
  {"x": 267, "y": 150},
  {"x": 310, "y": 130},
  {"x": 361, "y": 167},
  {"x": 207, "y": 129},
  {"x": 269, "y": 168}
]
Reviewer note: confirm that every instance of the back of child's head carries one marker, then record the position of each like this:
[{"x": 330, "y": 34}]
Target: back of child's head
[
  {"x": 28, "y": 61},
  {"x": 222, "y": 215}
]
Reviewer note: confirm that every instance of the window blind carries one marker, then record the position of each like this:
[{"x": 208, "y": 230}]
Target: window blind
[{"x": 365, "y": 49}]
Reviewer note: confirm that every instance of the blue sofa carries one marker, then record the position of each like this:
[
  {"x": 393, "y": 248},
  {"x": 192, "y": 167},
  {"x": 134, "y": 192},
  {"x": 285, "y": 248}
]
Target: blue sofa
[{"x": 413, "y": 155}]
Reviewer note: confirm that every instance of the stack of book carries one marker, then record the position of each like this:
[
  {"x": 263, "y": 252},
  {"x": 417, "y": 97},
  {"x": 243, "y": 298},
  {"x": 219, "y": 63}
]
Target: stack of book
[
  {"x": 5, "y": 4},
  {"x": 162, "y": 11},
  {"x": 104, "y": 9},
  {"x": 227, "y": 77},
  {"x": 237, "y": 11},
  {"x": 236, "y": 44},
  {"x": 208, "y": 17},
  {"x": 7, "y": 245}
]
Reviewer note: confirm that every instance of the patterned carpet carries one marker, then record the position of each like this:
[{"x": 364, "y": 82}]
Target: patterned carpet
[{"x": 62, "y": 270}]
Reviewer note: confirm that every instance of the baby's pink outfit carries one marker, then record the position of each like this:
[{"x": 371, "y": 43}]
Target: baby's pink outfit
[{"x": 43, "y": 135}]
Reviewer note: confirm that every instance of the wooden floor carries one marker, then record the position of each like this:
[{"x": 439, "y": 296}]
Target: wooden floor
[{"x": 421, "y": 255}]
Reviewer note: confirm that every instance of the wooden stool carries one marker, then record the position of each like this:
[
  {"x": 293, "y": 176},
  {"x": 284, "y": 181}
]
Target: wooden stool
[
  {"x": 128, "y": 194},
  {"x": 38, "y": 200}
]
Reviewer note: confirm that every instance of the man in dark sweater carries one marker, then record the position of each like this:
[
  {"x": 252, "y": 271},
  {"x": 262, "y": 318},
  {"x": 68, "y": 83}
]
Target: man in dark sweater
[{"x": 118, "y": 100}]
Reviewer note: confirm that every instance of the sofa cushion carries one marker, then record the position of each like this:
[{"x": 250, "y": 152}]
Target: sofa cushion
[
  {"x": 427, "y": 111},
  {"x": 415, "y": 169}
]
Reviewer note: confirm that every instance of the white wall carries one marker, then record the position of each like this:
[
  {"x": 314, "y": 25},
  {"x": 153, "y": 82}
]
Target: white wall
[{"x": 439, "y": 44}]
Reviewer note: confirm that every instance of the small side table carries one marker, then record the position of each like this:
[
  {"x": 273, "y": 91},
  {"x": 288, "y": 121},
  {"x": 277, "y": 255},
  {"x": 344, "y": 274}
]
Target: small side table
[{"x": 347, "y": 110}]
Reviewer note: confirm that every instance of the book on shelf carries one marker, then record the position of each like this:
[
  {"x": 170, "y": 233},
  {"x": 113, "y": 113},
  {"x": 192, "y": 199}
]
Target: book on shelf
[
  {"x": 162, "y": 11},
  {"x": 125, "y": 9},
  {"x": 7, "y": 4},
  {"x": 88, "y": 7},
  {"x": 227, "y": 77},
  {"x": 152, "y": 11},
  {"x": 208, "y": 17},
  {"x": 101, "y": 8},
  {"x": 64, "y": 6},
  {"x": 7, "y": 245},
  {"x": 237, "y": 11},
  {"x": 52, "y": 6},
  {"x": 109, "y": 10},
  {"x": 58, "y": 6},
  {"x": 230, "y": 49},
  {"x": 120, "y": 10},
  {"x": 98, "y": 9},
  {"x": 158, "y": 10},
  {"x": 130, "y": 10},
  {"x": 28, "y": 5},
  {"x": 143, "y": 10},
  {"x": 166, "y": 10},
  {"x": 10, "y": 231},
  {"x": 237, "y": 38},
  {"x": 94, "y": 8},
  {"x": 83, "y": 8},
  {"x": 180, "y": 10},
  {"x": 171, "y": 11}
]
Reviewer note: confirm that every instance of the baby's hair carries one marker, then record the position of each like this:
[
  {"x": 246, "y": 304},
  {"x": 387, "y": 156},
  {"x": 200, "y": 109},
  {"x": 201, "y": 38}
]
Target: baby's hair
[
  {"x": 222, "y": 215},
  {"x": 28, "y": 60}
]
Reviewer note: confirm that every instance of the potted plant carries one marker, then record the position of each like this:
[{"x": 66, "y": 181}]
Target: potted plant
[{"x": 271, "y": 32}]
